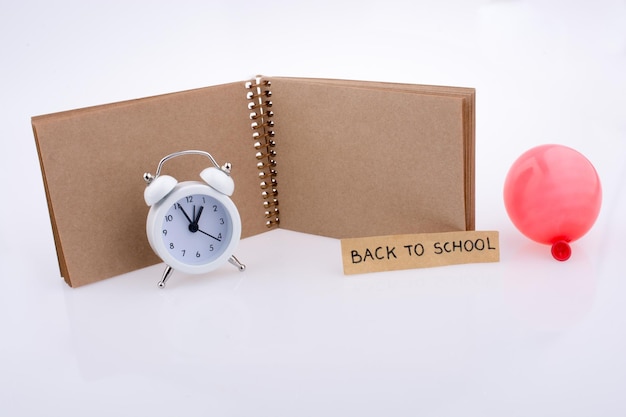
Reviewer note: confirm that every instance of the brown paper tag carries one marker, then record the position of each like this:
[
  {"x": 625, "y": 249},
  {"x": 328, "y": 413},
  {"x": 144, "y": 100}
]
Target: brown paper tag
[{"x": 391, "y": 253}]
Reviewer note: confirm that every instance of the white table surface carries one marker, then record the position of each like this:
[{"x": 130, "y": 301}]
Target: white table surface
[{"x": 293, "y": 336}]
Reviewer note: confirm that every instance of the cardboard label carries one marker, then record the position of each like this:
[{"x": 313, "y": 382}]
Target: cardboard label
[{"x": 396, "y": 252}]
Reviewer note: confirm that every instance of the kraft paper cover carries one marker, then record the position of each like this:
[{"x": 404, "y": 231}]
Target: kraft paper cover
[{"x": 353, "y": 159}]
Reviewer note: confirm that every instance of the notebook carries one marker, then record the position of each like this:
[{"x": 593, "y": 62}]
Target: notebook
[{"x": 335, "y": 158}]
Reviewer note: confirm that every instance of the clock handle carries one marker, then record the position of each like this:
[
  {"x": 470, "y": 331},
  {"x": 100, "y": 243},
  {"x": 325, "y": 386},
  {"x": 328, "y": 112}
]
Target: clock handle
[
  {"x": 234, "y": 261},
  {"x": 166, "y": 274},
  {"x": 148, "y": 178}
]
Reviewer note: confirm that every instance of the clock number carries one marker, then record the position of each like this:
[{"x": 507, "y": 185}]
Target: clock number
[
  {"x": 211, "y": 248},
  {"x": 169, "y": 218},
  {"x": 171, "y": 246},
  {"x": 197, "y": 254},
  {"x": 221, "y": 220},
  {"x": 183, "y": 251},
  {"x": 164, "y": 232},
  {"x": 214, "y": 208},
  {"x": 189, "y": 199}
]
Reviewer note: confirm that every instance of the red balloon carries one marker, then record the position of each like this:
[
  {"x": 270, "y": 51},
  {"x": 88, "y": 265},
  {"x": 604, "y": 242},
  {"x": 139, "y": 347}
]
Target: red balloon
[{"x": 553, "y": 195}]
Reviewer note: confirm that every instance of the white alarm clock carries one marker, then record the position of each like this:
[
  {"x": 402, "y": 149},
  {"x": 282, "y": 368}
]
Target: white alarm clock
[{"x": 193, "y": 226}]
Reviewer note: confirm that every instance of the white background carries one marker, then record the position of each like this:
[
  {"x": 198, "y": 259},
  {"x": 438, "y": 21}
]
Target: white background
[{"x": 293, "y": 336}]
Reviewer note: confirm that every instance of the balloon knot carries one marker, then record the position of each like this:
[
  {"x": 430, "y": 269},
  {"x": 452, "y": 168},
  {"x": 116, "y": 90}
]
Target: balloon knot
[{"x": 561, "y": 250}]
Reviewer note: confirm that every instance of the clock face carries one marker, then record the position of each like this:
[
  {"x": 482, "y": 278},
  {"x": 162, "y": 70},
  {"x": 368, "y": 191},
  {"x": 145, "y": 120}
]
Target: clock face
[{"x": 196, "y": 229}]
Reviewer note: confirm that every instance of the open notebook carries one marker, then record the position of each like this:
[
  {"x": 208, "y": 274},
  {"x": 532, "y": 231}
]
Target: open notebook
[{"x": 329, "y": 157}]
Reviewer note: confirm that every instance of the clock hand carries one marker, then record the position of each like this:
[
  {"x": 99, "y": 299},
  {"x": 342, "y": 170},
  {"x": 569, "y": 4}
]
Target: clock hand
[
  {"x": 183, "y": 210},
  {"x": 193, "y": 226},
  {"x": 202, "y": 231},
  {"x": 197, "y": 218}
]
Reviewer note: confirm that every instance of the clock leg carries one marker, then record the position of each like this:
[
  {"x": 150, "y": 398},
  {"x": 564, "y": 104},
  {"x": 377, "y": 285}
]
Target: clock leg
[
  {"x": 166, "y": 274},
  {"x": 234, "y": 261}
]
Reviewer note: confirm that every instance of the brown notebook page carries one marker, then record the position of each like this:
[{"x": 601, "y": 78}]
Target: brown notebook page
[
  {"x": 467, "y": 94},
  {"x": 93, "y": 160},
  {"x": 366, "y": 159}
]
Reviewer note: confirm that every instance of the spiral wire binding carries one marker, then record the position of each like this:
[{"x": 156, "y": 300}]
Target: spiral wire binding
[{"x": 259, "y": 104}]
